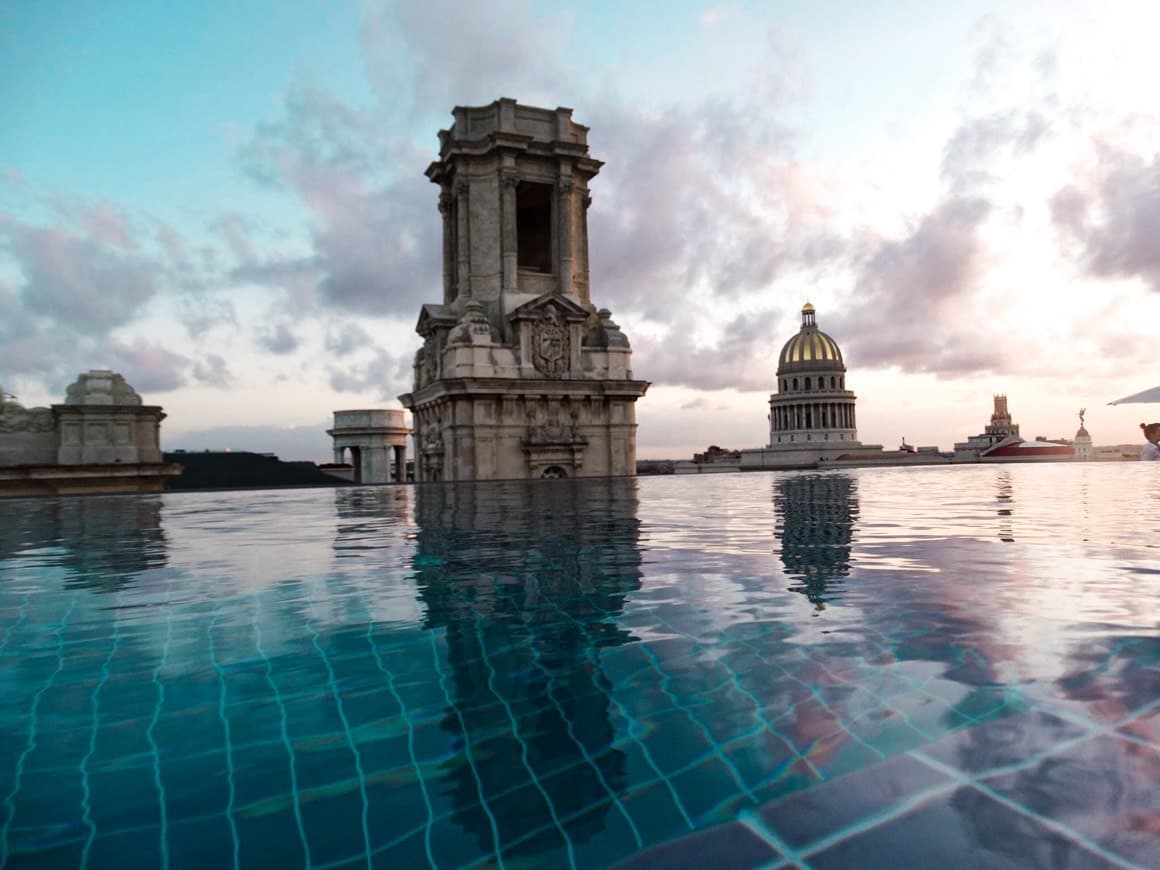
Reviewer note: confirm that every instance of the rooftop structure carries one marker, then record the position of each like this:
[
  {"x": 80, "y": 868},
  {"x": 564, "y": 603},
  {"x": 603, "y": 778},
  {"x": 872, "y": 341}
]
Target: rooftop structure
[
  {"x": 520, "y": 375},
  {"x": 103, "y": 438}
]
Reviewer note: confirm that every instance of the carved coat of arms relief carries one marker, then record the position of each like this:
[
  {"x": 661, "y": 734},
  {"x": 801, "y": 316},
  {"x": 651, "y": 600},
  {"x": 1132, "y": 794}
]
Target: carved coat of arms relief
[{"x": 550, "y": 346}]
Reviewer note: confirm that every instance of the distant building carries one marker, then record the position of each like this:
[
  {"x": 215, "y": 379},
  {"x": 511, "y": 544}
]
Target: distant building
[
  {"x": 812, "y": 418},
  {"x": 998, "y": 430},
  {"x": 1083, "y": 441},
  {"x": 103, "y": 439},
  {"x": 376, "y": 440},
  {"x": 1000, "y": 441}
]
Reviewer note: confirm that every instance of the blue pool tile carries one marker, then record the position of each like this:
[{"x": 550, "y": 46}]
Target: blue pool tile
[
  {"x": 270, "y": 839},
  {"x": 731, "y": 846},
  {"x": 334, "y": 824},
  {"x": 960, "y": 829},
  {"x": 201, "y": 842},
  {"x": 125, "y": 798},
  {"x": 1145, "y": 727},
  {"x": 63, "y": 856},
  {"x": 708, "y": 786},
  {"x": 261, "y": 773},
  {"x": 656, "y": 812},
  {"x": 48, "y": 802},
  {"x": 128, "y": 849},
  {"x": 196, "y": 786},
  {"x": 1003, "y": 741},
  {"x": 809, "y": 815},
  {"x": 1106, "y": 788}
]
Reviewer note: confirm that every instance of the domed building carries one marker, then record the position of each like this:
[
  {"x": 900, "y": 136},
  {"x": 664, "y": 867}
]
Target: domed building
[
  {"x": 812, "y": 403},
  {"x": 812, "y": 420}
]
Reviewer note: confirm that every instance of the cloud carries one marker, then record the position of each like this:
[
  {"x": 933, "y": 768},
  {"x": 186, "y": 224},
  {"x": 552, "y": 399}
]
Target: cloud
[
  {"x": 386, "y": 374},
  {"x": 375, "y": 235},
  {"x": 1111, "y": 224},
  {"x": 345, "y": 339},
  {"x": 213, "y": 370},
  {"x": 506, "y": 49},
  {"x": 743, "y": 358},
  {"x": 148, "y": 366},
  {"x": 666, "y": 218},
  {"x": 912, "y": 297},
  {"x": 75, "y": 279},
  {"x": 277, "y": 338}
]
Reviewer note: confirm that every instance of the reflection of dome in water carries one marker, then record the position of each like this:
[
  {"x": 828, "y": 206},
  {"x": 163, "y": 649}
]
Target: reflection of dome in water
[{"x": 814, "y": 523}]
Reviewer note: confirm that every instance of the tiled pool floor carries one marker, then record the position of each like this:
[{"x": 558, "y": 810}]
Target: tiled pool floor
[
  {"x": 1028, "y": 789},
  {"x": 896, "y": 669}
]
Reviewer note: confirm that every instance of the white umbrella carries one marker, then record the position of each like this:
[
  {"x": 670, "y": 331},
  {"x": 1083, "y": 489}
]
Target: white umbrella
[{"x": 1152, "y": 395}]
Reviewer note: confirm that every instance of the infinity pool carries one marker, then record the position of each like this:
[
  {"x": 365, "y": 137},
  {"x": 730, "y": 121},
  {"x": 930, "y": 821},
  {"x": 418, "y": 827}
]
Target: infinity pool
[{"x": 891, "y": 667}]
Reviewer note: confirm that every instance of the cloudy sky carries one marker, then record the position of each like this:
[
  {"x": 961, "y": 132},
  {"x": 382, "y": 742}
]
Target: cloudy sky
[{"x": 226, "y": 203}]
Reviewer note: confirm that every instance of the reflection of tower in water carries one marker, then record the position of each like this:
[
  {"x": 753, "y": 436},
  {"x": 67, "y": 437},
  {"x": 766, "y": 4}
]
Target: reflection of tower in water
[
  {"x": 528, "y": 580},
  {"x": 1006, "y": 501},
  {"x": 814, "y": 516},
  {"x": 107, "y": 540}
]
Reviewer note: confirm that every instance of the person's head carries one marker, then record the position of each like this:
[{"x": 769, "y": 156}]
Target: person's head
[{"x": 1151, "y": 431}]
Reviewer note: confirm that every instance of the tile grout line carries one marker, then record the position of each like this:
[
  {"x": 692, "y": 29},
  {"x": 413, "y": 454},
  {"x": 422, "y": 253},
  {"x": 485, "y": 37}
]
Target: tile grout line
[
  {"x": 86, "y": 801},
  {"x": 296, "y": 802},
  {"x": 633, "y": 733},
  {"x": 467, "y": 752},
  {"x": 515, "y": 732},
  {"x": 410, "y": 742},
  {"x": 552, "y": 680},
  {"x": 1067, "y": 832},
  {"x": 151, "y": 737},
  {"x": 362, "y": 780},
  {"x": 222, "y": 704},
  {"x": 10, "y": 800}
]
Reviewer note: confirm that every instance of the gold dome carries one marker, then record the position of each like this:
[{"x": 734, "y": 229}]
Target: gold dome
[{"x": 810, "y": 348}]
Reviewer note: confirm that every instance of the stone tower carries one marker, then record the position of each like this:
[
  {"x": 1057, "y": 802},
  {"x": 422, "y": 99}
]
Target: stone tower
[{"x": 519, "y": 375}]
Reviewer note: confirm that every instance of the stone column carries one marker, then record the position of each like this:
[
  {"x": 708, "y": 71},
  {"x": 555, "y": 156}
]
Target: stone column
[
  {"x": 508, "y": 180},
  {"x": 338, "y": 451},
  {"x": 463, "y": 237},
  {"x": 565, "y": 225},
  {"x": 447, "y": 210}
]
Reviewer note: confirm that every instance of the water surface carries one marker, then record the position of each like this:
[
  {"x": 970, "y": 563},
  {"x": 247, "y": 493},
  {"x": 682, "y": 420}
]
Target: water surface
[{"x": 568, "y": 673}]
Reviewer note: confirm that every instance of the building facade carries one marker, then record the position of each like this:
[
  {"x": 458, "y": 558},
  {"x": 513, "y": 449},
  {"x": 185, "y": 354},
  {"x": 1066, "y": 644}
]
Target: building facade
[
  {"x": 102, "y": 439},
  {"x": 519, "y": 375},
  {"x": 811, "y": 403}
]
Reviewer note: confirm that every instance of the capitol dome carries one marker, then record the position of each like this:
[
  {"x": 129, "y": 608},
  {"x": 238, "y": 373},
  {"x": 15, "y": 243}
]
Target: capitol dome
[
  {"x": 812, "y": 403},
  {"x": 810, "y": 348}
]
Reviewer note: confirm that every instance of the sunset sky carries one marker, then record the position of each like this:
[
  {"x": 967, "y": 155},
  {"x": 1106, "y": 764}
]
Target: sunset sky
[{"x": 226, "y": 203}]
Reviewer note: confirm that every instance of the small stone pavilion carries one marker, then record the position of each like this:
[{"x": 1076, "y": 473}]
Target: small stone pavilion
[
  {"x": 376, "y": 441},
  {"x": 519, "y": 375},
  {"x": 103, "y": 439}
]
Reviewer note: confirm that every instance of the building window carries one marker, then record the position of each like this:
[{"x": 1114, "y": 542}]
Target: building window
[
  {"x": 795, "y": 383},
  {"x": 807, "y": 382},
  {"x": 833, "y": 383},
  {"x": 534, "y": 226}
]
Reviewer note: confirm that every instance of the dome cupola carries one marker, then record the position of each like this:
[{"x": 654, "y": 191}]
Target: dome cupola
[{"x": 810, "y": 349}]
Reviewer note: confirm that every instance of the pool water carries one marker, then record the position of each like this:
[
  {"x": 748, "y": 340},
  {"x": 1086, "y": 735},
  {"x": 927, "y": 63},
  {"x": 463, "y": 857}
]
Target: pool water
[{"x": 841, "y": 669}]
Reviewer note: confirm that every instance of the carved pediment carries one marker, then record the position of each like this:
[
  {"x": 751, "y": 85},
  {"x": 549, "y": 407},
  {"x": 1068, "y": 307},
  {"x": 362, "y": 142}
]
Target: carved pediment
[
  {"x": 432, "y": 316},
  {"x": 536, "y": 309}
]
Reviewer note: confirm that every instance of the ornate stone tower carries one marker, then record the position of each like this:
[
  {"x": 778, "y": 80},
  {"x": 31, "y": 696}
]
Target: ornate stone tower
[{"x": 519, "y": 375}]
